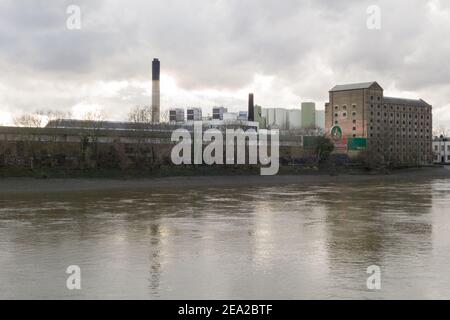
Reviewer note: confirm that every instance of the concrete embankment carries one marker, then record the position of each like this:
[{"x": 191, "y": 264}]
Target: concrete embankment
[{"x": 10, "y": 186}]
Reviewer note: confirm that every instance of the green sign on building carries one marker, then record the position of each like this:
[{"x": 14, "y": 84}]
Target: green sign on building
[{"x": 357, "y": 143}]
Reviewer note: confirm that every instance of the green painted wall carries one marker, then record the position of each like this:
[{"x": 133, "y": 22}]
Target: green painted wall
[
  {"x": 308, "y": 115},
  {"x": 259, "y": 118}
]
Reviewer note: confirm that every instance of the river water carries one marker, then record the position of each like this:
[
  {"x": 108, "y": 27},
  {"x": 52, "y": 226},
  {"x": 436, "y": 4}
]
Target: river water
[{"x": 289, "y": 242}]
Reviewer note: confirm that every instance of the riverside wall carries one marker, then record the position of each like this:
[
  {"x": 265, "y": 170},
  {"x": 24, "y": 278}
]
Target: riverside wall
[{"x": 80, "y": 148}]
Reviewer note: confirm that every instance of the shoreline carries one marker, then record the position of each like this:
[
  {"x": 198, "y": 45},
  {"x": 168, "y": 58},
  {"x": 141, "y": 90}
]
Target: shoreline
[{"x": 10, "y": 186}]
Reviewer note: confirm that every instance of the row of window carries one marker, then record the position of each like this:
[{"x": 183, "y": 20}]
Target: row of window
[
  {"x": 397, "y": 115},
  {"x": 438, "y": 158},
  {"x": 391, "y": 107},
  {"x": 344, "y": 114},
  {"x": 404, "y": 108},
  {"x": 391, "y": 122},
  {"x": 344, "y": 107},
  {"x": 397, "y": 129},
  {"x": 436, "y": 148},
  {"x": 403, "y": 136},
  {"x": 398, "y": 122}
]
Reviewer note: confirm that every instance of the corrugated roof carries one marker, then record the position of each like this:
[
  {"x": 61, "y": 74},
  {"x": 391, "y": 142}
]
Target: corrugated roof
[
  {"x": 353, "y": 86},
  {"x": 406, "y": 102}
]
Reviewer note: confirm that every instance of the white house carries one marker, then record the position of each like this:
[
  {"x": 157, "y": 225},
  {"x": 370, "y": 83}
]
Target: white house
[{"x": 441, "y": 150}]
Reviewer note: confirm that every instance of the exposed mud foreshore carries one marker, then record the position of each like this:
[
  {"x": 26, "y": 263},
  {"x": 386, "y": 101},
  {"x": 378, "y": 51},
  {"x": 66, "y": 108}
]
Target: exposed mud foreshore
[{"x": 52, "y": 185}]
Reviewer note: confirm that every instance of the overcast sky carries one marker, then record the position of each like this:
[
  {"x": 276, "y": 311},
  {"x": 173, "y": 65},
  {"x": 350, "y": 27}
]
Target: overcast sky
[{"x": 213, "y": 52}]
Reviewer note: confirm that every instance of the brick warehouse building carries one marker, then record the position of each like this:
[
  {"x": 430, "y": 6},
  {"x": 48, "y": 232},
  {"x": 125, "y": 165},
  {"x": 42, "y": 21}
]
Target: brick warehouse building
[{"x": 396, "y": 129}]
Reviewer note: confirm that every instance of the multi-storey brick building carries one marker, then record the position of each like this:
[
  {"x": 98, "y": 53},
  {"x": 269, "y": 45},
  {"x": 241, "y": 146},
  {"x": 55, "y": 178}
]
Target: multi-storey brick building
[{"x": 399, "y": 130}]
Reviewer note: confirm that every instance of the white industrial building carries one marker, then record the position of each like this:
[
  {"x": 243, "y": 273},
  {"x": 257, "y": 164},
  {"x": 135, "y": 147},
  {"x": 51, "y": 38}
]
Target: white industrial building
[
  {"x": 218, "y": 113},
  {"x": 230, "y": 116},
  {"x": 269, "y": 114},
  {"x": 243, "y": 115},
  {"x": 320, "y": 119},
  {"x": 194, "y": 114},
  {"x": 276, "y": 118},
  {"x": 291, "y": 119},
  {"x": 441, "y": 150},
  {"x": 294, "y": 119},
  {"x": 176, "y": 115},
  {"x": 281, "y": 118}
]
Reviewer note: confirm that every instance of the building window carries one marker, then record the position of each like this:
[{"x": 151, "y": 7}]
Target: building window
[
  {"x": 335, "y": 122},
  {"x": 354, "y": 121},
  {"x": 354, "y": 128},
  {"x": 353, "y": 113},
  {"x": 371, "y": 97}
]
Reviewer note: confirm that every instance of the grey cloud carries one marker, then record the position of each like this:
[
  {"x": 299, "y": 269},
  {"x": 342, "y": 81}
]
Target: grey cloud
[{"x": 306, "y": 45}]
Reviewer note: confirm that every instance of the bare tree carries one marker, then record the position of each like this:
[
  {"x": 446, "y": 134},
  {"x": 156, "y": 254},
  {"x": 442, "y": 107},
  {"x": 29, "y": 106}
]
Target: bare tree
[
  {"x": 97, "y": 115},
  {"x": 95, "y": 120},
  {"x": 441, "y": 131},
  {"x": 140, "y": 114},
  {"x": 165, "y": 116},
  {"x": 51, "y": 115},
  {"x": 39, "y": 118},
  {"x": 28, "y": 120}
]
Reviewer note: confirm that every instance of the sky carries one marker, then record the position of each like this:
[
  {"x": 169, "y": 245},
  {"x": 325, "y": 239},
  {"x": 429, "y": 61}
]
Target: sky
[{"x": 214, "y": 52}]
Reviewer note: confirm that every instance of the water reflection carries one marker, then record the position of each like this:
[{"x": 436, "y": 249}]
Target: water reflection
[{"x": 284, "y": 242}]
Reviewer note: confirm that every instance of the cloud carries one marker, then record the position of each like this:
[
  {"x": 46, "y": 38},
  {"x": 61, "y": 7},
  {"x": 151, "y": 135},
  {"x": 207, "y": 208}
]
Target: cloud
[{"x": 215, "y": 51}]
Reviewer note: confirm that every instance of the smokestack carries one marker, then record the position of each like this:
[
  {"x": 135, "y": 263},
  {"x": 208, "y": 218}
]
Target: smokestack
[
  {"x": 155, "y": 91},
  {"x": 251, "y": 108}
]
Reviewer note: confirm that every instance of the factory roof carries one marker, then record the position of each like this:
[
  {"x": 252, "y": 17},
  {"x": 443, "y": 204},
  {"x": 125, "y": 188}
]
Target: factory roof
[
  {"x": 406, "y": 102},
  {"x": 355, "y": 86}
]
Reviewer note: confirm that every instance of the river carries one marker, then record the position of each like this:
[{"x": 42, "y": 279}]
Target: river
[{"x": 294, "y": 241}]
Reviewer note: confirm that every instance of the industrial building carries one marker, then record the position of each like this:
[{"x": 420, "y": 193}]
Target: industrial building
[
  {"x": 294, "y": 119},
  {"x": 230, "y": 116},
  {"x": 176, "y": 115},
  {"x": 194, "y": 114},
  {"x": 441, "y": 150},
  {"x": 217, "y": 113},
  {"x": 308, "y": 115},
  {"x": 243, "y": 115},
  {"x": 397, "y": 129},
  {"x": 320, "y": 119}
]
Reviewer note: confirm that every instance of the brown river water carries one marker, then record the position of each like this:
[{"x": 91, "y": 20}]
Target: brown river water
[{"x": 282, "y": 242}]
